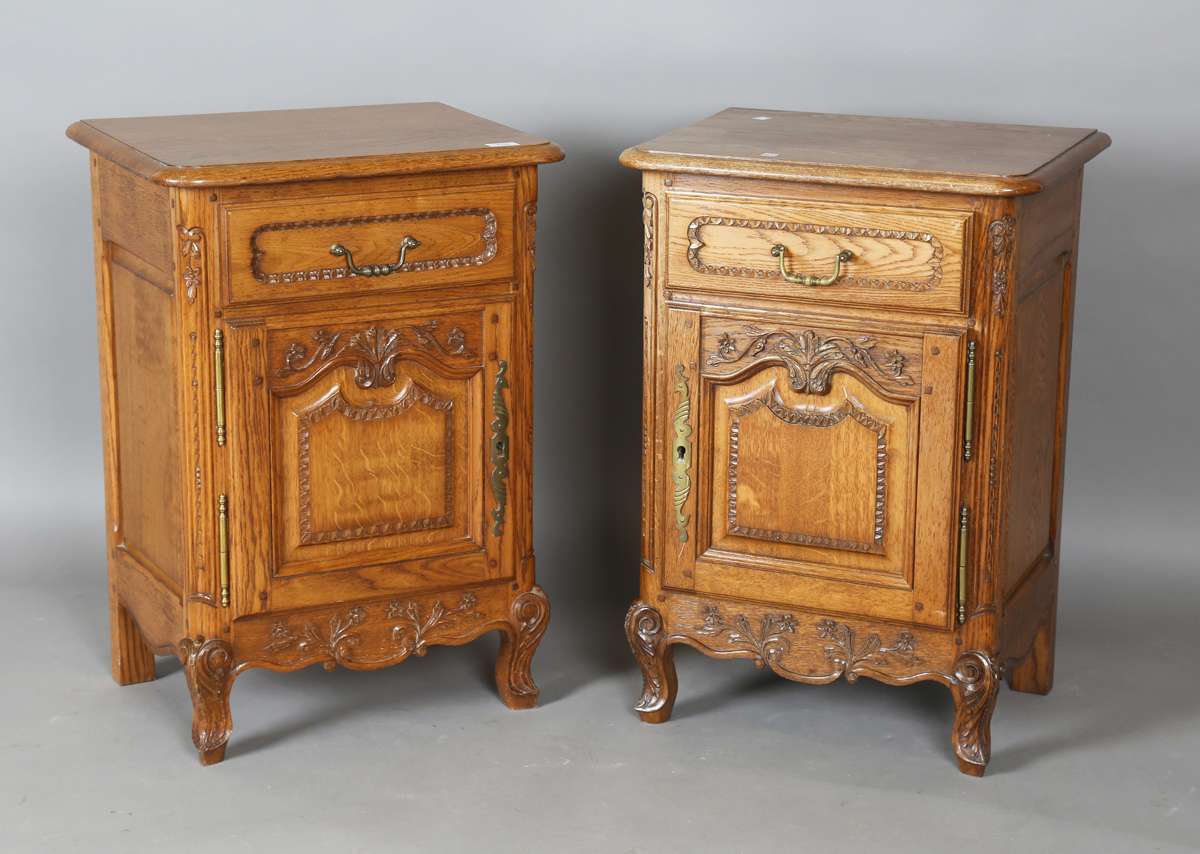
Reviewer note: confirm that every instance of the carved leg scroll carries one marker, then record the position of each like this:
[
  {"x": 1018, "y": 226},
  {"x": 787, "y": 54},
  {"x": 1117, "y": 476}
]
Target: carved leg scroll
[
  {"x": 1035, "y": 673},
  {"x": 644, "y": 628},
  {"x": 208, "y": 666},
  {"x": 530, "y": 615},
  {"x": 976, "y": 681},
  {"x": 132, "y": 660}
]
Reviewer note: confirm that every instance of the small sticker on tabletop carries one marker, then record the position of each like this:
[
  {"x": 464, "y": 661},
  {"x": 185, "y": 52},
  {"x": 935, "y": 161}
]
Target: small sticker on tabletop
[{"x": 500, "y": 144}]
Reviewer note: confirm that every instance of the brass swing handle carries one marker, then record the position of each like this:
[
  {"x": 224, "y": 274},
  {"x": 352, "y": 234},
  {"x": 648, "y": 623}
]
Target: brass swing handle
[
  {"x": 409, "y": 242},
  {"x": 780, "y": 251}
]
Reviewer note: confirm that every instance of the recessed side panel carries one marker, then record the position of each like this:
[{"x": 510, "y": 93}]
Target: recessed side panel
[
  {"x": 148, "y": 429},
  {"x": 1034, "y": 420}
]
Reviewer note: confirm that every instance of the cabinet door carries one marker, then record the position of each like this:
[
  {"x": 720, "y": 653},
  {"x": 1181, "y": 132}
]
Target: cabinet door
[
  {"x": 812, "y": 466},
  {"x": 361, "y": 457}
]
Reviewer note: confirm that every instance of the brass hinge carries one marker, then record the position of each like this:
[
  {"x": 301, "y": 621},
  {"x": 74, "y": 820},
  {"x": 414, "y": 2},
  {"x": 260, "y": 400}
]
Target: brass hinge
[
  {"x": 969, "y": 414},
  {"x": 963, "y": 523},
  {"x": 223, "y": 536},
  {"x": 219, "y": 382}
]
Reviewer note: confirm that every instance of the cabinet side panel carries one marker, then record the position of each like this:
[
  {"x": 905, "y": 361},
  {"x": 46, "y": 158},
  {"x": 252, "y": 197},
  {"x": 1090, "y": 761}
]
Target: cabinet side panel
[
  {"x": 148, "y": 427},
  {"x": 1034, "y": 420}
]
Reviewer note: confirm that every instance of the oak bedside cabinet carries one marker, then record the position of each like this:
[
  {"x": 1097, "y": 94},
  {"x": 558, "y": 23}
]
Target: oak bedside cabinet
[
  {"x": 857, "y": 342},
  {"x": 316, "y": 357}
]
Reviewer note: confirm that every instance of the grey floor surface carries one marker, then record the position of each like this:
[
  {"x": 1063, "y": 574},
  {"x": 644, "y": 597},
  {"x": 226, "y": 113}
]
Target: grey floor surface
[{"x": 424, "y": 757}]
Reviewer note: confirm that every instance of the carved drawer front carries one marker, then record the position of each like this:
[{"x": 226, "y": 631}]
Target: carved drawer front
[
  {"x": 819, "y": 468},
  {"x": 371, "y": 243},
  {"x": 899, "y": 257}
]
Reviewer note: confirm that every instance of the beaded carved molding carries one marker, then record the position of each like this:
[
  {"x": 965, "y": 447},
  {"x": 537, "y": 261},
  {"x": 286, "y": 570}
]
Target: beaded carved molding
[
  {"x": 414, "y": 394},
  {"x": 487, "y": 232},
  {"x": 805, "y": 418},
  {"x": 695, "y": 244}
]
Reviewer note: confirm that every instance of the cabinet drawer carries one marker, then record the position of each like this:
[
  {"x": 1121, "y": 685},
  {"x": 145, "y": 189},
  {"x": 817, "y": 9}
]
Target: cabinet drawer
[
  {"x": 899, "y": 257},
  {"x": 282, "y": 250}
]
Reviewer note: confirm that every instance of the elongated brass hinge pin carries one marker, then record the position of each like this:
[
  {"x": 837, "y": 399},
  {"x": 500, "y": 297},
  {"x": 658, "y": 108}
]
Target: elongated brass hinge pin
[
  {"x": 969, "y": 414},
  {"x": 219, "y": 382},
  {"x": 223, "y": 535},
  {"x": 963, "y": 524}
]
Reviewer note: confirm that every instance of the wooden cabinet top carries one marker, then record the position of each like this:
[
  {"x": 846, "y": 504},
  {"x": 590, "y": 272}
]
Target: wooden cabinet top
[
  {"x": 919, "y": 154},
  {"x": 222, "y": 149}
]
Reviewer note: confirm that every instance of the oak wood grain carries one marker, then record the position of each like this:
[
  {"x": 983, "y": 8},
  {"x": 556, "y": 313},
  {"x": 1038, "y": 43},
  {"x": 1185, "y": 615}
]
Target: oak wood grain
[
  {"x": 811, "y": 549},
  {"x": 354, "y": 469},
  {"x": 867, "y": 151},
  {"x": 294, "y": 145}
]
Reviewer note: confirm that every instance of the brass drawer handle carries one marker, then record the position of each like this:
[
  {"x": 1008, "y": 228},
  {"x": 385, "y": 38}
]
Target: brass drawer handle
[
  {"x": 409, "y": 242},
  {"x": 780, "y": 251}
]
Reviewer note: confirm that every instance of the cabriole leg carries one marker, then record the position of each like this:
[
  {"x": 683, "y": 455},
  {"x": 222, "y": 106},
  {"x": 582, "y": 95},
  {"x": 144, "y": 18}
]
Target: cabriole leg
[
  {"x": 644, "y": 628},
  {"x": 208, "y": 666},
  {"x": 976, "y": 681},
  {"x": 530, "y": 616}
]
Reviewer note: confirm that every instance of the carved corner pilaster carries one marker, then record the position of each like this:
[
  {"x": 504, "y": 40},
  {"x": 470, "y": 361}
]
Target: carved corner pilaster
[
  {"x": 208, "y": 666},
  {"x": 646, "y": 632},
  {"x": 530, "y": 615},
  {"x": 977, "y": 678}
]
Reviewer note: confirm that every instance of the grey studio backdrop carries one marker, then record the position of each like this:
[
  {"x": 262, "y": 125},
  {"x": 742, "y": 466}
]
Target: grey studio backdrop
[{"x": 423, "y": 756}]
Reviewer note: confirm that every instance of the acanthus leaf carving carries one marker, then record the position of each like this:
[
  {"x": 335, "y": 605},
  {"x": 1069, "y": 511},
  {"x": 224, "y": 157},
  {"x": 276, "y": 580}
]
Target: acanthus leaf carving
[
  {"x": 373, "y": 352},
  {"x": 208, "y": 666},
  {"x": 977, "y": 678},
  {"x": 810, "y": 359}
]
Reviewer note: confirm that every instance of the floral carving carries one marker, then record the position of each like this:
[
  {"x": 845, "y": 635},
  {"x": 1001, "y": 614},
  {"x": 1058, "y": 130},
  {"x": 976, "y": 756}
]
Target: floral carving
[
  {"x": 1001, "y": 232},
  {"x": 373, "y": 351},
  {"x": 189, "y": 247},
  {"x": 681, "y": 458},
  {"x": 848, "y": 658},
  {"x": 767, "y": 644},
  {"x": 310, "y": 641},
  {"x": 811, "y": 359},
  {"x": 413, "y": 628}
]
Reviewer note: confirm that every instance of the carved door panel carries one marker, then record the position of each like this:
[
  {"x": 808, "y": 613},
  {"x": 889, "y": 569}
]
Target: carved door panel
[
  {"x": 366, "y": 444},
  {"x": 820, "y": 465}
]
